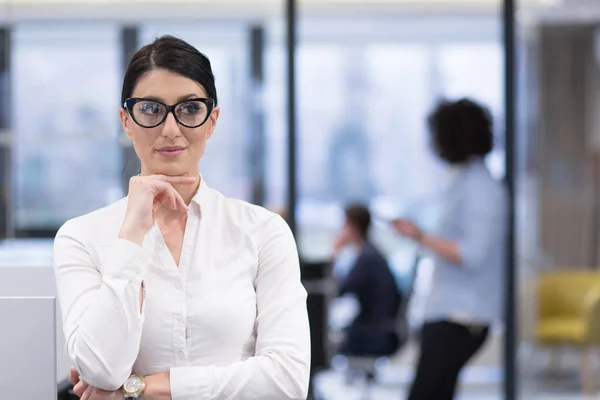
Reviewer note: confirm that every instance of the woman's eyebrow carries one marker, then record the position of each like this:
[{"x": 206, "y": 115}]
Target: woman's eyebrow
[
  {"x": 155, "y": 98},
  {"x": 187, "y": 96},
  {"x": 180, "y": 98}
]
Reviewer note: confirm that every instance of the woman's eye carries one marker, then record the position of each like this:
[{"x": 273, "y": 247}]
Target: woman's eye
[
  {"x": 151, "y": 108},
  {"x": 189, "y": 108}
]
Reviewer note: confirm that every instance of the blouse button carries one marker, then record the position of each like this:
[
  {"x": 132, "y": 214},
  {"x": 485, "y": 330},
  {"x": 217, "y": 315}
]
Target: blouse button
[{"x": 181, "y": 354}]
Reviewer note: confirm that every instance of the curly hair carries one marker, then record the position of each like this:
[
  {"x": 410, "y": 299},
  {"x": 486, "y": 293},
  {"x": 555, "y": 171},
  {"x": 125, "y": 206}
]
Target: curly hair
[{"x": 460, "y": 130}]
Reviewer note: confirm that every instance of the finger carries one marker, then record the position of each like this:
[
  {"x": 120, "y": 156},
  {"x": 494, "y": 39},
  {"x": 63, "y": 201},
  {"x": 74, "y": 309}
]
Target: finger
[
  {"x": 180, "y": 204},
  {"x": 174, "y": 180},
  {"x": 87, "y": 395},
  {"x": 160, "y": 198},
  {"x": 80, "y": 388},
  {"x": 165, "y": 197},
  {"x": 177, "y": 200},
  {"x": 167, "y": 193},
  {"x": 73, "y": 376},
  {"x": 167, "y": 189},
  {"x": 173, "y": 199}
]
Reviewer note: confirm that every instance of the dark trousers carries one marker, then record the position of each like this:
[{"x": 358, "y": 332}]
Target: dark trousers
[{"x": 445, "y": 349}]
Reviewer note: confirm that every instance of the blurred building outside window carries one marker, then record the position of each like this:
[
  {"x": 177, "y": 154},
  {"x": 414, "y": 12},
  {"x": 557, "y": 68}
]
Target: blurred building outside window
[
  {"x": 65, "y": 83},
  {"x": 363, "y": 97}
]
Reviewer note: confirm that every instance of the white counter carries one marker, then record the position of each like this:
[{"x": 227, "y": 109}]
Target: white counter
[{"x": 26, "y": 270}]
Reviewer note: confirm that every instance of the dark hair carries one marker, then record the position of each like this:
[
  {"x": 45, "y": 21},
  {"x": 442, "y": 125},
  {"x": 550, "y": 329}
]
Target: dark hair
[
  {"x": 460, "y": 130},
  {"x": 359, "y": 217},
  {"x": 174, "y": 55}
]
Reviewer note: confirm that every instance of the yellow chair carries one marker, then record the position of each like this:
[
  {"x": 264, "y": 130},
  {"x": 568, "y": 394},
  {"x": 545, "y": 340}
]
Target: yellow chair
[{"x": 569, "y": 314}]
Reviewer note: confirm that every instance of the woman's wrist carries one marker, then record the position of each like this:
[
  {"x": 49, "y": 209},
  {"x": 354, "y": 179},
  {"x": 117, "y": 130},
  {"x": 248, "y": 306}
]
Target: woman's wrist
[
  {"x": 133, "y": 235},
  {"x": 158, "y": 387}
]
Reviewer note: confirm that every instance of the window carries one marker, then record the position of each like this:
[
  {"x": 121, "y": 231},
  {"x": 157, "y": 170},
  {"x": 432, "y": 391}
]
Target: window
[
  {"x": 364, "y": 90},
  {"x": 361, "y": 134},
  {"x": 66, "y": 157},
  {"x": 363, "y": 100}
]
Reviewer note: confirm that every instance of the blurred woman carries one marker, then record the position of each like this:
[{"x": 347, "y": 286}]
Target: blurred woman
[
  {"x": 469, "y": 251},
  {"x": 177, "y": 292}
]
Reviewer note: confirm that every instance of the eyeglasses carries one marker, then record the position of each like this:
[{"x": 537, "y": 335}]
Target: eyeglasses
[{"x": 149, "y": 113}]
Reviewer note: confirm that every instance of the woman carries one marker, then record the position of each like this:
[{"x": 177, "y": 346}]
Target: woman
[
  {"x": 469, "y": 251},
  {"x": 177, "y": 292}
]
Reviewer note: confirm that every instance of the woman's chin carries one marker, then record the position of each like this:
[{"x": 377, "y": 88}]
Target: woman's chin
[{"x": 171, "y": 171}]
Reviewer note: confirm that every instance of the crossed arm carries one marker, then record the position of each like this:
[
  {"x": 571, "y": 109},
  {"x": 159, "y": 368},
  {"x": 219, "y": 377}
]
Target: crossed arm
[{"x": 103, "y": 323}]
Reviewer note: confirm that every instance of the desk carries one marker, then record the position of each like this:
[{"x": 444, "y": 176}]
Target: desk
[
  {"x": 29, "y": 348},
  {"x": 26, "y": 269}
]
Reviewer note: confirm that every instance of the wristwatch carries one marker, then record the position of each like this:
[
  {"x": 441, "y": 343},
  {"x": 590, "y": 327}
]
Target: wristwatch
[{"x": 134, "y": 387}]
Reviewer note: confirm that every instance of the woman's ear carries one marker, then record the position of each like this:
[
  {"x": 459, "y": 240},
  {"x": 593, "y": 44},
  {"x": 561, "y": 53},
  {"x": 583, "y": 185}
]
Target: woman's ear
[
  {"x": 212, "y": 120},
  {"x": 125, "y": 121}
]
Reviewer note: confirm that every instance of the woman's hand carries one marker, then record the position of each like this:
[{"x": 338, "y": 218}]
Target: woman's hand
[
  {"x": 79, "y": 386},
  {"x": 87, "y": 392},
  {"x": 408, "y": 229},
  {"x": 92, "y": 393},
  {"x": 146, "y": 195},
  {"x": 445, "y": 248}
]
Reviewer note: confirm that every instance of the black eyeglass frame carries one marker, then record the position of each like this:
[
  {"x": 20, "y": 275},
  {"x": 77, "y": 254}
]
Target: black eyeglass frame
[{"x": 132, "y": 101}]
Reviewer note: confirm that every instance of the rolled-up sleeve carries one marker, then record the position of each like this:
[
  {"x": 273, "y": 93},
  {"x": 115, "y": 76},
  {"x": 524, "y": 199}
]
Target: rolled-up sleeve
[
  {"x": 100, "y": 305},
  {"x": 483, "y": 226},
  {"x": 280, "y": 367}
]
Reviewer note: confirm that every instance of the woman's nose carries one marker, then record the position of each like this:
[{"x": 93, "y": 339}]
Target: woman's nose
[{"x": 171, "y": 127}]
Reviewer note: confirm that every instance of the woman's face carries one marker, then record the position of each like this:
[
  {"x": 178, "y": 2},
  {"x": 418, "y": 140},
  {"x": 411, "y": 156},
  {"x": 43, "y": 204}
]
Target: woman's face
[{"x": 169, "y": 148}]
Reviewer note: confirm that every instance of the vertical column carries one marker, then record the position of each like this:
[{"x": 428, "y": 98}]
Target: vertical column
[
  {"x": 290, "y": 20},
  {"x": 131, "y": 163},
  {"x": 510, "y": 348},
  {"x": 6, "y": 228},
  {"x": 257, "y": 115}
]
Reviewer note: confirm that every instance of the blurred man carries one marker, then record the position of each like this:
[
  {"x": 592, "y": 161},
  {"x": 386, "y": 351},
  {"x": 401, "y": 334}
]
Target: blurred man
[{"x": 373, "y": 331}]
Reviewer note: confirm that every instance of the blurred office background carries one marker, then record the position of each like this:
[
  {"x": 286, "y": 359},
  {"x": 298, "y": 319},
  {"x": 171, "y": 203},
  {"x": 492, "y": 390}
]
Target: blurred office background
[{"x": 367, "y": 73}]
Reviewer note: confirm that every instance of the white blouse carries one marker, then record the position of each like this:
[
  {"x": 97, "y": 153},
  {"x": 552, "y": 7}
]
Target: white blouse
[{"x": 229, "y": 323}]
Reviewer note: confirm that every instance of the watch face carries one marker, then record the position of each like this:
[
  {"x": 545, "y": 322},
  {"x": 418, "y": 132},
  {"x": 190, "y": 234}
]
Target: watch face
[{"x": 133, "y": 385}]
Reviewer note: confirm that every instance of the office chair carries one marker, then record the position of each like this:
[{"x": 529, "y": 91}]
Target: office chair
[{"x": 367, "y": 366}]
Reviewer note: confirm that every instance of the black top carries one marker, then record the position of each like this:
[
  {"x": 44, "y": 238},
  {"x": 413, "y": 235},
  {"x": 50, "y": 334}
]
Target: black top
[{"x": 374, "y": 285}]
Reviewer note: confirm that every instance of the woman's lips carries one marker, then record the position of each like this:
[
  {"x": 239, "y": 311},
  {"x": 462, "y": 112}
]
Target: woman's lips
[{"x": 171, "y": 151}]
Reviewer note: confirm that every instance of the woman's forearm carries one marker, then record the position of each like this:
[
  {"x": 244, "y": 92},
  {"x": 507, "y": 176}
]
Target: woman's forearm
[
  {"x": 101, "y": 311},
  {"x": 445, "y": 248}
]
